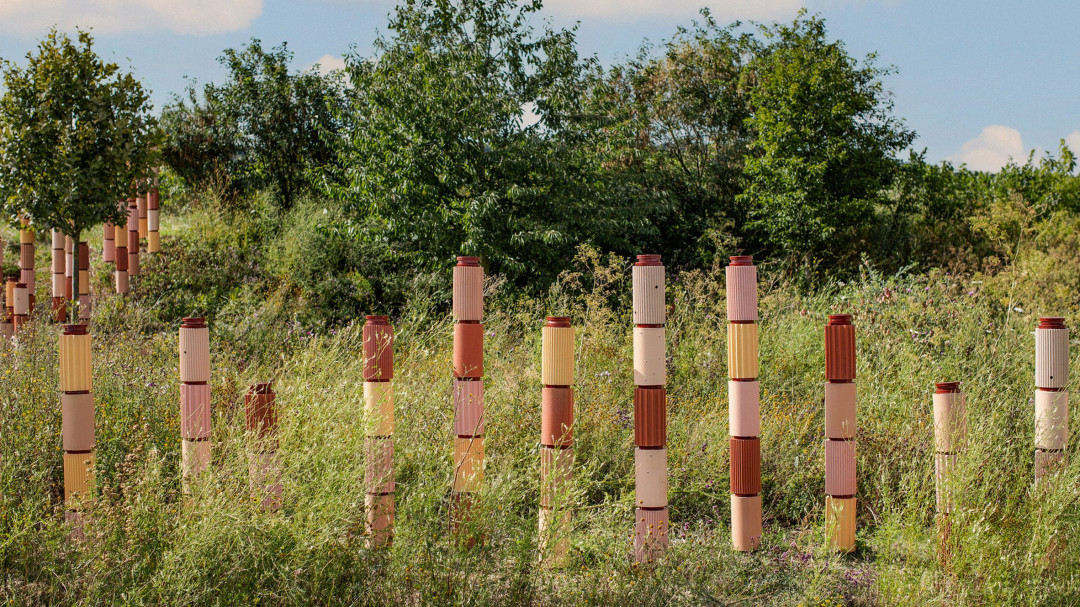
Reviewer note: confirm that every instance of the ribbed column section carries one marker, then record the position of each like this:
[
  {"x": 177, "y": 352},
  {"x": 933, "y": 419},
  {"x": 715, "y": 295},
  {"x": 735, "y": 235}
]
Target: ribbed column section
[
  {"x": 121, "y": 273},
  {"x": 77, "y": 418},
  {"x": 133, "y": 237},
  {"x": 556, "y": 438},
  {"x": 21, "y": 307},
  {"x": 744, "y": 422},
  {"x": 69, "y": 269},
  {"x": 57, "y": 267},
  {"x": 260, "y": 419},
  {"x": 27, "y": 274},
  {"x": 379, "y": 482},
  {"x": 153, "y": 220},
  {"x": 650, "y": 409},
  {"x": 194, "y": 398},
  {"x": 1051, "y": 398},
  {"x": 144, "y": 222},
  {"x": 468, "y": 368},
  {"x": 840, "y": 477}
]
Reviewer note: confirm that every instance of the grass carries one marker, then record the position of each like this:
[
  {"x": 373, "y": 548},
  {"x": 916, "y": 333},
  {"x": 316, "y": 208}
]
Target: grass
[{"x": 1012, "y": 543}]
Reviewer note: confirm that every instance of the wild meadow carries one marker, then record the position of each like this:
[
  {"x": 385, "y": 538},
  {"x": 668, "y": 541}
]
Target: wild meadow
[{"x": 145, "y": 543}]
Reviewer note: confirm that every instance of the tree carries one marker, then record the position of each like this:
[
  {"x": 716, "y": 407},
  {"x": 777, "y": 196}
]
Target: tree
[
  {"x": 676, "y": 130},
  {"x": 825, "y": 141},
  {"x": 437, "y": 152},
  {"x": 266, "y": 127},
  {"x": 75, "y": 135}
]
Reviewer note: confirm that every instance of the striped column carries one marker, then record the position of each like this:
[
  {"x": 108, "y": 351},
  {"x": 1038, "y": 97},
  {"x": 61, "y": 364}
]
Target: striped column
[
  {"x": 84, "y": 282},
  {"x": 142, "y": 206},
  {"x": 744, "y": 419},
  {"x": 7, "y": 327},
  {"x": 950, "y": 433},
  {"x": 77, "y": 415},
  {"x": 468, "y": 312},
  {"x": 556, "y": 437},
  {"x": 69, "y": 268},
  {"x": 379, "y": 414},
  {"x": 26, "y": 262},
  {"x": 59, "y": 304},
  {"x": 650, "y": 409},
  {"x": 133, "y": 238},
  {"x": 840, "y": 432},
  {"x": 121, "y": 272},
  {"x": 1051, "y": 397},
  {"x": 264, "y": 471},
  {"x": 21, "y": 307},
  {"x": 194, "y": 398},
  {"x": 153, "y": 221},
  {"x": 108, "y": 245}
]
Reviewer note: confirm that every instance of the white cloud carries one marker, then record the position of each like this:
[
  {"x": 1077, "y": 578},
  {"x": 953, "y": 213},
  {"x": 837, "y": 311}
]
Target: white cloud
[
  {"x": 992, "y": 149},
  {"x": 199, "y": 17},
  {"x": 1073, "y": 141},
  {"x": 628, "y": 10},
  {"x": 328, "y": 64}
]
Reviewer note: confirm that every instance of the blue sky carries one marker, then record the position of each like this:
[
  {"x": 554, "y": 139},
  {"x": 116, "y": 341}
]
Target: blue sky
[{"x": 979, "y": 82}]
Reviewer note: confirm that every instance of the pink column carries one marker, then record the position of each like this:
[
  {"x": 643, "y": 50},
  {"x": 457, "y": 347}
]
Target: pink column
[
  {"x": 379, "y": 428},
  {"x": 744, "y": 422},
  {"x": 194, "y": 398},
  {"x": 468, "y": 360},
  {"x": 1051, "y": 397},
  {"x": 840, "y": 485}
]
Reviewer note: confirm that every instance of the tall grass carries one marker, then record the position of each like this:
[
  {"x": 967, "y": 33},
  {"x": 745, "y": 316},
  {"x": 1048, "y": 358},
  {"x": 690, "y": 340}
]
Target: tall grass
[{"x": 1012, "y": 543}]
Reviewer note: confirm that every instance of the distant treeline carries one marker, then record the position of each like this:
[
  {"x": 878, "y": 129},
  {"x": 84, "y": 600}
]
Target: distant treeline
[{"x": 769, "y": 140}]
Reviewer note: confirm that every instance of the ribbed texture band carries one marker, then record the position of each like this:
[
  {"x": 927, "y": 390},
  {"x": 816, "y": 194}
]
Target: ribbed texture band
[
  {"x": 745, "y": 466},
  {"x": 75, "y": 363},
  {"x": 650, "y": 417},
  {"x": 839, "y": 352},
  {"x": 840, "y": 467},
  {"x": 742, "y": 297},
  {"x": 557, "y": 356},
  {"x": 648, "y": 295},
  {"x": 194, "y": 354},
  {"x": 468, "y": 408},
  {"x": 1051, "y": 358},
  {"x": 742, "y": 351},
  {"x": 468, "y": 293}
]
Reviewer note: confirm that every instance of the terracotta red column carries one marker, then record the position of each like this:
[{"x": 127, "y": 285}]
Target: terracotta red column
[
  {"x": 264, "y": 471},
  {"x": 468, "y": 311},
  {"x": 26, "y": 262},
  {"x": 379, "y": 413},
  {"x": 1051, "y": 397},
  {"x": 153, "y": 221},
  {"x": 650, "y": 409},
  {"x": 108, "y": 245},
  {"x": 744, "y": 419},
  {"x": 84, "y": 281},
  {"x": 194, "y": 398},
  {"x": 133, "y": 238},
  {"x": 556, "y": 438},
  {"x": 77, "y": 416},
  {"x": 950, "y": 433},
  {"x": 121, "y": 272},
  {"x": 59, "y": 304},
  {"x": 840, "y": 432}
]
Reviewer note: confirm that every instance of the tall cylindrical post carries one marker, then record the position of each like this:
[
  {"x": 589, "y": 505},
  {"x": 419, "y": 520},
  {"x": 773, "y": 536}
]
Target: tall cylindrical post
[
  {"x": 650, "y": 408},
  {"x": 556, "y": 437},
  {"x": 1051, "y": 397},
  {"x": 121, "y": 272},
  {"x": 77, "y": 415},
  {"x": 153, "y": 221},
  {"x": 26, "y": 262},
  {"x": 194, "y": 398},
  {"x": 840, "y": 431},
  {"x": 21, "y": 307},
  {"x": 84, "y": 281},
  {"x": 7, "y": 327},
  {"x": 133, "y": 238},
  {"x": 264, "y": 471},
  {"x": 142, "y": 207},
  {"x": 744, "y": 420},
  {"x": 950, "y": 434},
  {"x": 468, "y": 360},
  {"x": 108, "y": 245},
  {"x": 59, "y": 304},
  {"x": 69, "y": 268},
  {"x": 379, "y": 483}
]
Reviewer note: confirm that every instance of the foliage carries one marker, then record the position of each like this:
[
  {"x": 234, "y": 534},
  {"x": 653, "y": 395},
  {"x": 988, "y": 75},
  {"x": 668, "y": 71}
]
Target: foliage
[
  {"x": 75, "y": 134},
  {"x": 437, "y": 154},
  {"x": 265, "y": 127},
  {"x": 824, "y": 143}
]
